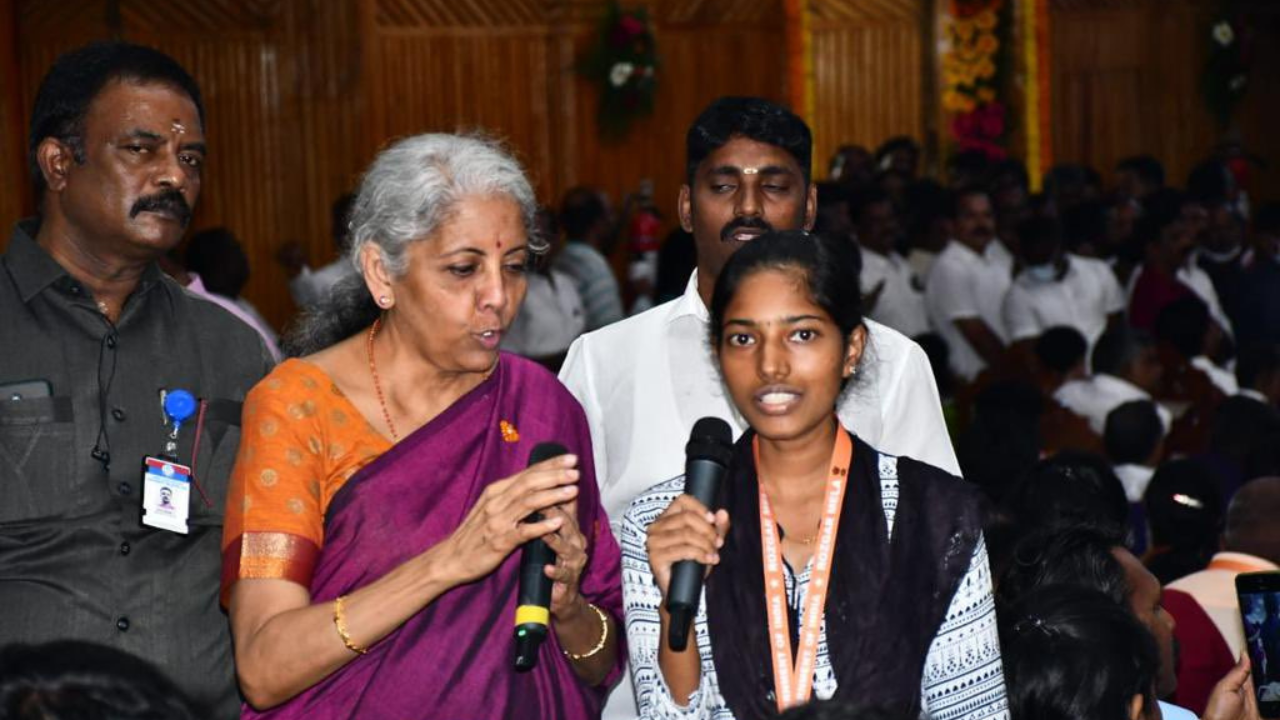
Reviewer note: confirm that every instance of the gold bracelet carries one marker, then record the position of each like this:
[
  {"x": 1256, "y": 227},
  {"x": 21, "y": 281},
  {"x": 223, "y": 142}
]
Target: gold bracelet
[
  {"x": 604, "y": 637},
  {"x": 340, "y": 621}
]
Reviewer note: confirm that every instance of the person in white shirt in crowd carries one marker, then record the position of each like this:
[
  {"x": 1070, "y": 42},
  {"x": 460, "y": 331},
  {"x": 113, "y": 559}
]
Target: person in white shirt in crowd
[
  {"x": 1134, "y": 438},
  {"x": 964, "y": 293},
  {"x": 928, "y": 226},
  {"x": 1056, "y": 288},
  {"x": 646, "y": 380},
  {"x": 1251, "y": 543},
  {"x": 1258, "y": 373},
  {"x": 889, "y": 286},
  {"x": 1125, "y": 367},
  {"x": 587, "y": 221},
  {"x": 311, "y": 287},
  {"x": 1061, "y": 354},
  {"x": 552, "y": 315},
  {"x": 1185, "y": 324}
]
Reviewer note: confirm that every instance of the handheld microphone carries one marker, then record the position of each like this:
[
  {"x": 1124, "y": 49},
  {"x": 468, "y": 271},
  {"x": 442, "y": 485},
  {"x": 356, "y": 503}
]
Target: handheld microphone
[
  {"x": 706, "y": 462},
  {"x": 533, "y": 602}
]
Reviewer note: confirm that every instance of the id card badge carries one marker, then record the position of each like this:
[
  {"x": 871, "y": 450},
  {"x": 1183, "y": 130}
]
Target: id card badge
[{"x": 166, "y": 494}]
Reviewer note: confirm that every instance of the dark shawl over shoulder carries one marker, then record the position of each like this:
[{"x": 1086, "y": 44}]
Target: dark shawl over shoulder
[{"x": 887, "y": 599}]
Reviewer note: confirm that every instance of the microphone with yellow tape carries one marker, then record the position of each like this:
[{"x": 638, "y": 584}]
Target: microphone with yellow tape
[{"x": 533, "y": 604}]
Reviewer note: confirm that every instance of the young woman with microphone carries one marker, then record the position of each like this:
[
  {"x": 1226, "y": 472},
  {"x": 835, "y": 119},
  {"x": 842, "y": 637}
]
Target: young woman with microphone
[{"x": 834, "y": 571}]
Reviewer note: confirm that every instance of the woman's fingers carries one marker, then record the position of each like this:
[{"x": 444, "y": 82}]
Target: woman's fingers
[
  {"x": 526, "y": 531},
  {"x": 722, "y": 524},
  {"x": 530, "y": 481},
  {"x": 693, "y": 524},
  {"x": 567, "y": 543}
]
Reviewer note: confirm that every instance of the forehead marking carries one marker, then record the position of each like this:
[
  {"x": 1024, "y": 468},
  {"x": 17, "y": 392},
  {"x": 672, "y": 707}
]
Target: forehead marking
[
  {"x": 750, "y": 171},
  {"x": 179, "y": 128}
]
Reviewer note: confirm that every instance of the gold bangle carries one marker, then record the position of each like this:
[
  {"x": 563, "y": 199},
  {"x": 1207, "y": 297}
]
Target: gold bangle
[
  {"x": 340, "y": 621},
  {"x": 604, "y": 637}
]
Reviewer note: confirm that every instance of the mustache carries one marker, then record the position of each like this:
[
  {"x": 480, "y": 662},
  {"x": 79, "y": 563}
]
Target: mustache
[
  {"x": 745, "y": 223},
  {"x": 169, "y": 201}
]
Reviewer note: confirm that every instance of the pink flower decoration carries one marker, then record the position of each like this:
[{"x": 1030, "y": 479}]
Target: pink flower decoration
[{"x": 630, "y": 25}]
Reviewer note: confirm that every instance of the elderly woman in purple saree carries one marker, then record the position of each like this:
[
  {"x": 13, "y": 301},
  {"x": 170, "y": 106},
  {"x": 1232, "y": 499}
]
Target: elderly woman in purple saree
[{"x": 371, "y": 575}]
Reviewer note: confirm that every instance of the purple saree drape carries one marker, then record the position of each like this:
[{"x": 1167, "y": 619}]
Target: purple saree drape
[{"x": 454, "y": 658}]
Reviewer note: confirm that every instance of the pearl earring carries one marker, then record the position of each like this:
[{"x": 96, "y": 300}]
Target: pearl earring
[{"x": 384, "y": 301}]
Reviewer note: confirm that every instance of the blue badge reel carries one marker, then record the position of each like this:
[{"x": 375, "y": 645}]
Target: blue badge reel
[{"x": 166, "y": 484}]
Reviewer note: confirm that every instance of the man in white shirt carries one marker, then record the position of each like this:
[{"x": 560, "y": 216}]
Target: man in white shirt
[
  {"x": 1134, "y": 439},
  {"x": 1126, "y": 367},
  {"x": 1058, "y": 288},
  {"x": 890, "y": 290},
  {"x": 586, "y": 220},
  {"x": 646, "y": 380},
  {"x": 964, "y": 294},
  {"x": 550, "y": 318}
]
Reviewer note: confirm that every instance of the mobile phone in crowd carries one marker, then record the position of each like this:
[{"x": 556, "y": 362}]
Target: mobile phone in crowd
[{"x": 1259, "y": 595}]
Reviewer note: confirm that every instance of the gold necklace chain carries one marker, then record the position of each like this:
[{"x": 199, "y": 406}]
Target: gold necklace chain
[{"x": 377, "y": 386}]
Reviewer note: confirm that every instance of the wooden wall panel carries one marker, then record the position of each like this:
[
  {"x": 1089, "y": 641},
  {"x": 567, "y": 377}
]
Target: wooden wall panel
[
  {"x": 1116, "y": 90},
  {"x": 694, "y": 73},
  {"x": 431, "y": 81},
  {"x": 301, "y": 93},
  {"x": 283, "y": 111},
  {"x": 868, "y": 74}
]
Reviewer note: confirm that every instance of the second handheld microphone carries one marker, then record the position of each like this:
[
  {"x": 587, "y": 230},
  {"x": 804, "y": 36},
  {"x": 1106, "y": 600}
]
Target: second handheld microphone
[{"x": 706, "y": 461}]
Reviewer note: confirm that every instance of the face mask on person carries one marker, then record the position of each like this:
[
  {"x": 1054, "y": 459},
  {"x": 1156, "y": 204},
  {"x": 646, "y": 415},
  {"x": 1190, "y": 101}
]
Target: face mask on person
[{"x": 1045, "y": 273}]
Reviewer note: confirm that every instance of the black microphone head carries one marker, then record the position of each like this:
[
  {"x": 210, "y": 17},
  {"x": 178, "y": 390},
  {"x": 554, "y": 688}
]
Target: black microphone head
[
  {"x": 711, "y": 439},
  {"x": 546, "y": 451}
]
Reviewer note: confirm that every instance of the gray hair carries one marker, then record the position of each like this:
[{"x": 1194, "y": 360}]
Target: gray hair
[{"x": 412, "y": 189}]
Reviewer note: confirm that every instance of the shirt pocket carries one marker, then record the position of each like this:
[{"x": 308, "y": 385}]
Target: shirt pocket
[
  {"x": 37, "y": 458},
  {"x": 219, "y": 443}
]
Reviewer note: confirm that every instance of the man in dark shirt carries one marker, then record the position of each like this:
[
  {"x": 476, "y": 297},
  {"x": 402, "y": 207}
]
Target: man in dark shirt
[
  {"x": 93, "y": 337},
  {"x": 1259, "y": 291}
]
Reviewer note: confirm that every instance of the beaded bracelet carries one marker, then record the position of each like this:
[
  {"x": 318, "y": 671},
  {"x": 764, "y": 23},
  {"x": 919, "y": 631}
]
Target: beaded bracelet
[
  {"x": 604, "y": 637},
  {"x": 340, "y": 621}
]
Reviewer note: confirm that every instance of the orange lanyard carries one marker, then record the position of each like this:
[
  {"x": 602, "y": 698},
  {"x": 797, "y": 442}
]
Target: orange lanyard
[{"x": 793, "y": 687}]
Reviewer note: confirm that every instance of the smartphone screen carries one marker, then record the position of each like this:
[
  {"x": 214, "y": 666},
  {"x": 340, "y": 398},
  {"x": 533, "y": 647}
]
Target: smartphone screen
[{"x": 1259, "y": 595}]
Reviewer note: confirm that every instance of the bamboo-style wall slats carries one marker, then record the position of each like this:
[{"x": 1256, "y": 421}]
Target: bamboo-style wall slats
[
  {"x": 868, "y": 74},
  {"x": 301, "y": 93},
  {"x": 1115, "y": 93}
]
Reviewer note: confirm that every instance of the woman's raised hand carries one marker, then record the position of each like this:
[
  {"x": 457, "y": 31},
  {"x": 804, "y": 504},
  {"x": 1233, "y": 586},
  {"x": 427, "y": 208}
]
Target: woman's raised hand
[
  {"x": 495, "y": 525},
  {"x": 686, "y": 530}
]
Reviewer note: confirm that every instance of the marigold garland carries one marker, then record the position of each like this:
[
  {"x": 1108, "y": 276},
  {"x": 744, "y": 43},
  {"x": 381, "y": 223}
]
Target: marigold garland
[{"x": 973, "y": 69}]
